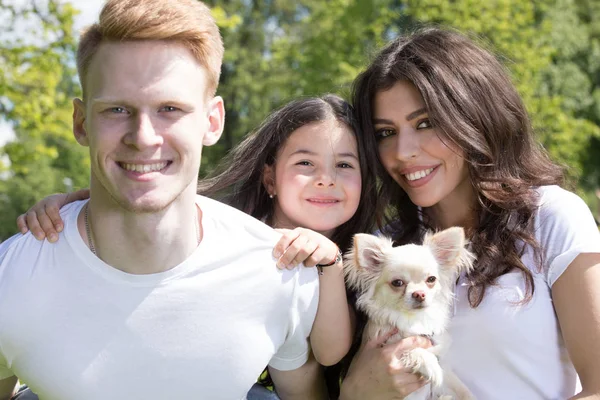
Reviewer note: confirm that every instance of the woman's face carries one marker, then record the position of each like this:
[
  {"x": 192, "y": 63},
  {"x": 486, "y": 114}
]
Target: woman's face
[{"x": 429, "y": 169}]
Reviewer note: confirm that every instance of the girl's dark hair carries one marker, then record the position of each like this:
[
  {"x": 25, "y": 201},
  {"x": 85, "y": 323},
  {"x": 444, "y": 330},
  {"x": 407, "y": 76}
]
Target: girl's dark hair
[
  {"x": 239, "y": 178},
  {"x": 472, "y": 102}
]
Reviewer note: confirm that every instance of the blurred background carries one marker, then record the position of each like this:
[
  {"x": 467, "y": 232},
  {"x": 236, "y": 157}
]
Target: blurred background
[{"x": 276, "y": 50}]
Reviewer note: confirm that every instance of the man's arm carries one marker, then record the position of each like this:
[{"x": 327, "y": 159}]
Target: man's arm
[
  {"x": 304, "y": 383},
  {"x": 7, "y": 387}
]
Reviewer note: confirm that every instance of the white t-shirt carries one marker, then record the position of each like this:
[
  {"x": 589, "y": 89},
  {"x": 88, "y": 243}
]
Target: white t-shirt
[
  {"x": 507, "y": 351},
  {"x": 73, "y": 327}
]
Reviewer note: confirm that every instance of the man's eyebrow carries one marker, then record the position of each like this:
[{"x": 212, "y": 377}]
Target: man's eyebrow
[{"x": 409, "y": 117}]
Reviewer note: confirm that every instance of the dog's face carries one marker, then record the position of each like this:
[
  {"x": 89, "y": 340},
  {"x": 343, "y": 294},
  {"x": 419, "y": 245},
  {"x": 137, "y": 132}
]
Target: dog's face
[
  {"x": 409, "y": 279},
  {"x": 406, "y": 278}
]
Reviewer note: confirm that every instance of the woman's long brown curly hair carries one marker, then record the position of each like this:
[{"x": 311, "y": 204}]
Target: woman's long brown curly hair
[{"x": 472, "y": 102}]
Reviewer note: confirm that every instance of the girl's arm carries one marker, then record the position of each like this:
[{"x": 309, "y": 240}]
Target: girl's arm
[
  {"x": 43, "y": 219},
  {"x": 332, "y": 332},
  {"x": 577, "y": 303},
  {"x": 306, "y": 382}
]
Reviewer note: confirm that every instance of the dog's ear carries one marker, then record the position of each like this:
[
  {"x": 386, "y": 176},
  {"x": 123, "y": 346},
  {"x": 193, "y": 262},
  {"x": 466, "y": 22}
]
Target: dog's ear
[
  {"x": 363, "y": 264},
  {"x": 446, "y": 246},
  {"x": 369, "y": 251}
]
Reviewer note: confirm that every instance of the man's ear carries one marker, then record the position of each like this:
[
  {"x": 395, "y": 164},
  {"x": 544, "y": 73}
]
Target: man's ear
[
  {"x": 216, "y": 121},
  {"x": 79, "y": 130},
  {"x": 269, "y": 179}
]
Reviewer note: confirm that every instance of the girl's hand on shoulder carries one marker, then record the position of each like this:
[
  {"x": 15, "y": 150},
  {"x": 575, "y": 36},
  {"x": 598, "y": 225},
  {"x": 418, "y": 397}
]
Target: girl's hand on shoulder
[
  {"x": 43, "y": 219},
  {"x": 303, "y": 245},
  {"x": 377, "y": 371}
]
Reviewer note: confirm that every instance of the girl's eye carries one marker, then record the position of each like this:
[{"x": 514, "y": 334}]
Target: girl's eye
[
  {"x": 344, "y": 165},
  {"x": 384, "y": 133},
  {"x": 424, "y": 124},
  {"x": 397, "y": 283},
  {"x": 431, "y": 279},
  {"x": 304, "y": 163}
]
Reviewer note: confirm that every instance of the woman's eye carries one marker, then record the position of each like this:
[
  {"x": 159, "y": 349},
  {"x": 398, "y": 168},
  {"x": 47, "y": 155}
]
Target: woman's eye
[
  {"x": 424, "y": 124},
  {"x": 383, "y": 133},
  {"x": 304, "y": 163}
]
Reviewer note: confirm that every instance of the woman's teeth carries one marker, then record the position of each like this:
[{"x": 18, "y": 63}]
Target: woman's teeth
[{"x": 419, "y": 174}]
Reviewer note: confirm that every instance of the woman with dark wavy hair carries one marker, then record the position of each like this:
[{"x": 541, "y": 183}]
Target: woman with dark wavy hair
[{"x": 457, "y": 148}]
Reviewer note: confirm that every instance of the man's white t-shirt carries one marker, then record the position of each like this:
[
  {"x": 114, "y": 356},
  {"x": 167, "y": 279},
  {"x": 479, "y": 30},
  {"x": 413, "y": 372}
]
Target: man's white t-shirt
[
  {"x": 73, "y": 327},
  {"x": 502, "y": 350}
]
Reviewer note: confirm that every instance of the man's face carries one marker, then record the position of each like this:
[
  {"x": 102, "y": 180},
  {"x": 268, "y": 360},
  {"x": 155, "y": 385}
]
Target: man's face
[{"x": 145, "y": 120}]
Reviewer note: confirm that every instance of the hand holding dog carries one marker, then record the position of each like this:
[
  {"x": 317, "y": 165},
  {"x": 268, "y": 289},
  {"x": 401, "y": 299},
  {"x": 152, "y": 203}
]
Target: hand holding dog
[{"x": 377, "y": 372}]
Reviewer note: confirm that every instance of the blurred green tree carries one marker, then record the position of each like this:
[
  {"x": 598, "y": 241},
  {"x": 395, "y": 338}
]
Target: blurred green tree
[{"x": 37, "y": 83}]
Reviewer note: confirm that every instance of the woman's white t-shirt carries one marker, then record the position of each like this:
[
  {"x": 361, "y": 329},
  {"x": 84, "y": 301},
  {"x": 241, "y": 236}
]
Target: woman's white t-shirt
[{"x": 503, "y": 350}]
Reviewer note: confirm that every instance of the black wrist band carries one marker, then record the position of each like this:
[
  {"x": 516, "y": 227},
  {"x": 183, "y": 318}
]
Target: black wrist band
[{"x": 338, "y": 258}]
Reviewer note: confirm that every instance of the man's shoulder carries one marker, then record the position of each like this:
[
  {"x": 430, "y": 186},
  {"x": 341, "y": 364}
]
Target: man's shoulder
[
  {"x": 25, "y": 248},
  {"x": 234, "y": 221}
]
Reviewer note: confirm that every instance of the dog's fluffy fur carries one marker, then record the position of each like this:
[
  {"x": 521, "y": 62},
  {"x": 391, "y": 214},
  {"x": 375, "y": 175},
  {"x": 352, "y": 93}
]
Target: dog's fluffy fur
[{"x": 410, "y": 288}]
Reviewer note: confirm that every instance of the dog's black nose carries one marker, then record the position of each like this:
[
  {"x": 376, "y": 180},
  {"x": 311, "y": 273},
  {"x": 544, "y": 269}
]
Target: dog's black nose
[{"x": 419, "y": 296}]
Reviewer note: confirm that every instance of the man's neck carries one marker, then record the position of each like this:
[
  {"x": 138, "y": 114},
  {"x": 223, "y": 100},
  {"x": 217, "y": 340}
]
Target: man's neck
[{"x": 142, "y": 243}]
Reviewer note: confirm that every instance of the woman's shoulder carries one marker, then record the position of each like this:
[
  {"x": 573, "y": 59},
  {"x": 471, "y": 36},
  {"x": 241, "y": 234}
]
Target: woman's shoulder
[{"x": 554, "y": 202}]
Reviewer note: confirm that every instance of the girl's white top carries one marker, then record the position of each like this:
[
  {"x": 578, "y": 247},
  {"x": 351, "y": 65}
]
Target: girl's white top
[{"x": 503, "y": 350}]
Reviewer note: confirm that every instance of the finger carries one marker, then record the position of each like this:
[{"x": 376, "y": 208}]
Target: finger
[
  {"x": 381, "y": 339},
  {"x": 33, "y": 224},
  {"x": 286, "y": 239},
  {"x": 81, "y": 194},
  {"x": 410, "y": 343},
  {"x": 295, "y": 249},
  {"x": 322, "y": 255},
  {"x": 406, "y": 388},
  {"x": 52, "y": 211},
  {"x": 21, "y": 224},
  {"x": 47, "y": 226},
  {"x": 304, "y": 253}
]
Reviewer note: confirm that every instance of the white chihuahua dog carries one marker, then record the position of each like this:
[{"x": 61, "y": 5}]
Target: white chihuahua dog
[{"x": 410, "y": 288}]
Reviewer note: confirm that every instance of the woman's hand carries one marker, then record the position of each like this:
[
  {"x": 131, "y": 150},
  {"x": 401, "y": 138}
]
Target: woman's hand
[
  {"x": 43, "y": 219},
  {"x": 377, "y": 373},
  {"x": 302, "y": 245}
]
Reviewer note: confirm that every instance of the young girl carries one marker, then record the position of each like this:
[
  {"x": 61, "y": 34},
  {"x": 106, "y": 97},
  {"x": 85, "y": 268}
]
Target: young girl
[
  {"x": 301, "y": 168},
  {"x": 457, "y": 149}
]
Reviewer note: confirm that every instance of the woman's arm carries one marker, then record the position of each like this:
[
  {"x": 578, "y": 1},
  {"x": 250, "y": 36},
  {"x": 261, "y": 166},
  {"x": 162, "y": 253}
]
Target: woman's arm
[
  {"x": 332, "y": 332},
  {"x": 43, "y": 219},
  {"x": 577, "y": 303}
]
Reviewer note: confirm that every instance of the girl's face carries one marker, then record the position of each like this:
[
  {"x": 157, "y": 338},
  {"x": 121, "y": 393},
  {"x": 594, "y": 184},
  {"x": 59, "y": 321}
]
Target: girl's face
[
  {"x": 430, "y": 170},
  {"x": 316, "y": 179}
]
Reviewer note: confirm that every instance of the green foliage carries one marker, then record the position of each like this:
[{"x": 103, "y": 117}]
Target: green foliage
[
  {"x": 277, "y": 50},
  {"x": 37, "y": 82}
]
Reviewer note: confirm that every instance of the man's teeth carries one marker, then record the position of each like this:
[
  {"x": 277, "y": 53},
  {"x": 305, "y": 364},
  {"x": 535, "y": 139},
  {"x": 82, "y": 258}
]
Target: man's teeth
[
  {"x": 419, "y": 174},
  {"x": 144, "y": 168}
]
